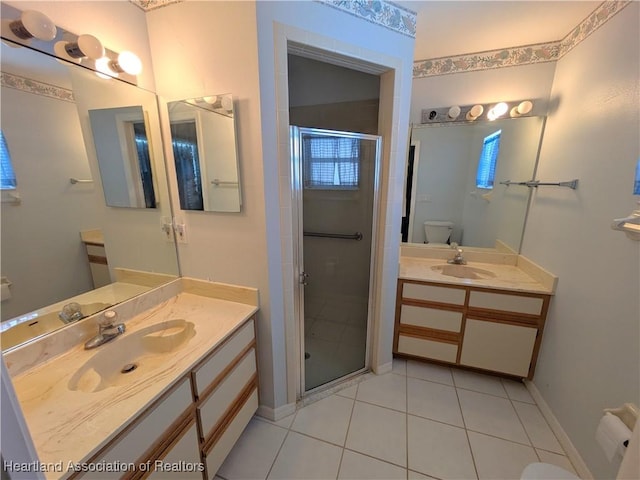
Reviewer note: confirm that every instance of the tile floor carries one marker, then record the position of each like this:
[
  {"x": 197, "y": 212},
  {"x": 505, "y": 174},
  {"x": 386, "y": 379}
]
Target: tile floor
[{"x": 420, "y": 421}]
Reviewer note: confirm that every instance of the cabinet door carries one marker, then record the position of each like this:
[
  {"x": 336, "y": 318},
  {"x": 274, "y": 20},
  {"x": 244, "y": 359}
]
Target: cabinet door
[
  {"x": 182, "y": 461},
  {"x": 497, "y": 346}
]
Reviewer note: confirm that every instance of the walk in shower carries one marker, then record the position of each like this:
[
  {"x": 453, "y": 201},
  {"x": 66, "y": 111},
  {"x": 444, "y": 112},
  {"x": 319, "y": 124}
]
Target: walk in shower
[{"x": 335, "y": 184}]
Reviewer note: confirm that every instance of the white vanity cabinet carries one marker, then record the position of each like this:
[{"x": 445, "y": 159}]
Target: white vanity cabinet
[
  {"x": 190, "y": 429},
  {"x": 498, "y": 331}
]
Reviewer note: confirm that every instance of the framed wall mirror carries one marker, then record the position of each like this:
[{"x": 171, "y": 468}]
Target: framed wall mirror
[
  {"x": 61, "y": 243},
  {"x": 124, "y": 156},
  {"x": 442, "y": 181},
  {"x": 205, "y": 153}
]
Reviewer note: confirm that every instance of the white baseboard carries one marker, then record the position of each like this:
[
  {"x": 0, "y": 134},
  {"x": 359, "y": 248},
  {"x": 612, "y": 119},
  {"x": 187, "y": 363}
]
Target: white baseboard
[
  {"x": 572, "y": 453},
  {"x": 275, "y": 414},
  {"x": 382, "y": 369}
]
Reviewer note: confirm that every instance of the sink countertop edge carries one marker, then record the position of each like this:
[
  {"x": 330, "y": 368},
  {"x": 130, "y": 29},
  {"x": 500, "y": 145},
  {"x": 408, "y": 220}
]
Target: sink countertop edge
[
  {"x": 79, "y": 424},
  {"x": 508, "y": 277}
]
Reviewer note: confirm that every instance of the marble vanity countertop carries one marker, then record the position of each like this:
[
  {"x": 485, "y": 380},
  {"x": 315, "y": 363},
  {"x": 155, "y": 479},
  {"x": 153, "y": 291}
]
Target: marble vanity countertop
[
  {"x": 507, "y": 277},
  {"x": 71, "y": 426}
]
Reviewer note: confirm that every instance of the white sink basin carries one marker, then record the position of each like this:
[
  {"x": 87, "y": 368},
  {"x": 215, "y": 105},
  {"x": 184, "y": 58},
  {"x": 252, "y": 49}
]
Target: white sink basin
[
  {"x": 463, "y": 271},
  {"x": 131, "y": 356}
]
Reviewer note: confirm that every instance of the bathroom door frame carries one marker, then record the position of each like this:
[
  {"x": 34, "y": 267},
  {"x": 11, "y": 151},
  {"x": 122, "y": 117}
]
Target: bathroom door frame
[{"x": 297, "y": 189}]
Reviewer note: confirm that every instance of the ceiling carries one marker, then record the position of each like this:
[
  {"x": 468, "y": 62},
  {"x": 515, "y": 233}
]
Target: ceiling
[{"x": 455, "y": 27}]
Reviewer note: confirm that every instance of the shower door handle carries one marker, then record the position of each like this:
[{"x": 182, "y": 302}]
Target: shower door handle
[{"x": 303, "y": 278}]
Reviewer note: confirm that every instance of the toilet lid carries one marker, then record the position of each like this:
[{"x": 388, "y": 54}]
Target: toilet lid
[{"x": 546, "y": 471}]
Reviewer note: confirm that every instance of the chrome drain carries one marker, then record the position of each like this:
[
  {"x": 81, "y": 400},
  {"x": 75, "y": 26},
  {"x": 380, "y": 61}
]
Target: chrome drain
[
  {"x": 307, "y": 355},
  {"x": 129, "y": 367}
]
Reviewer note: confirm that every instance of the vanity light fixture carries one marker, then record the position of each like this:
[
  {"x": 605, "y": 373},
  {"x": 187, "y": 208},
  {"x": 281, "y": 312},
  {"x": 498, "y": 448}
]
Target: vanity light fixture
[
  {"x": 33, "y": 24},
  {"x": 523, "y": 108}
]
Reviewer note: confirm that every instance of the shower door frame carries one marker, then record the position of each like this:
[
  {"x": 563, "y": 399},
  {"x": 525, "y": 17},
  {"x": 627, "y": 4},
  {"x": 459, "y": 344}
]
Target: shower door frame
[{"x": 297, "y": 189}]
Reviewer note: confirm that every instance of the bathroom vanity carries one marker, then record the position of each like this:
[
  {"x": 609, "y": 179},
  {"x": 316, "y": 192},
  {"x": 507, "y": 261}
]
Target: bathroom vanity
[
  {"x": 167, "y": 399},
  {"x": 483, "y": 316}
]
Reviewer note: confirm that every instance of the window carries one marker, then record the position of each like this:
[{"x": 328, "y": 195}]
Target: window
[
  {"x": 8, "y": 180},
  {"x": 636, "y": 185},
  {"x": 488, "y": 157},
  {"x": 331, "y": 163}
]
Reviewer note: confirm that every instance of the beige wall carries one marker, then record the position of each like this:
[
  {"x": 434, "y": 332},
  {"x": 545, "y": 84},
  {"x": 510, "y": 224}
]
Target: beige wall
[{"x": 590, "y": 351}]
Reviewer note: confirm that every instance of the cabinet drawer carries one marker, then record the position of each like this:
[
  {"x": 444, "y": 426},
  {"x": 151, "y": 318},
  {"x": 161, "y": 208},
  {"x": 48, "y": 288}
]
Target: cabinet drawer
[
  {"x": 431, "y": 318},
  {"x": 214, "y": 407},
  {"x": 433, "y": 293},
  {"x": 183, "y": 456},
  {"x": 421, "y": 347},
  {"x": 498, "y": 347},
  {"x": 131, "y": 446},
  {"x": 216, "y": 455},
  {"x": 222, "y": 357},
  {"x": 507, "y": 303}
]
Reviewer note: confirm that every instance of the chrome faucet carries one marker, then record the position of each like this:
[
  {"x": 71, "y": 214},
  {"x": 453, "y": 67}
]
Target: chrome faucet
[
  {"x": 458, "y": 259},
  {"x": 71, "y": 313},
  {"x": 107, "y": 330}
]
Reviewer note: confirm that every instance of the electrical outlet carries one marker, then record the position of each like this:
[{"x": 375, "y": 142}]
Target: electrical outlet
[{"x": 167, "y": 229}]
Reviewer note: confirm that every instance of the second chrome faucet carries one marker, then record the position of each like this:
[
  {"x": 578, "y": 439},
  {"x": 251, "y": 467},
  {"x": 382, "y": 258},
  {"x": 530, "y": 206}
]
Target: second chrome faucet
[{"x": 458, "y": 259}]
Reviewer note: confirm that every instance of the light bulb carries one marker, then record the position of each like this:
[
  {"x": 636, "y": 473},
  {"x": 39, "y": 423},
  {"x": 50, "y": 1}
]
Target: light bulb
[
  {"x": 104, "y": 69},
  {"x": 60, "y": 51},
  {"x": 475, "y": 112},
  {"x": 129, "y": 63},
  {"x": 454, "y": 112},
  {"x": 85, "y": 46},
  {"x": 500, "y": 109},
  {"x": 525, "y": 107},
  {"x": 227, "y": 103},
  {"x": 211, "y": 99},
  {"x": 33, "y": 24}
]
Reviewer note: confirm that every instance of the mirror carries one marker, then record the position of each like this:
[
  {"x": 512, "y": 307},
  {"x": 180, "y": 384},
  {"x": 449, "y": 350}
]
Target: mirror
[
  {"x": 203, "y": 136},
  {"x": 442, "y": 182},
  {"x": 120, "y": 136},
  {"x": 60, "y": 242}
]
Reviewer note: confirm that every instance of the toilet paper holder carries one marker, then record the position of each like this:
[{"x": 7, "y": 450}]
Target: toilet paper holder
[{"x": 628, "y": 413}]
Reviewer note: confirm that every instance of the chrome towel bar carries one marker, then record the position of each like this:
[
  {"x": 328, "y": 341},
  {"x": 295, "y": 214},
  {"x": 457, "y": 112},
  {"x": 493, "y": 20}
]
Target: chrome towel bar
[
  {"x": 573, "y": 184},
  {"x": 356, "y": 236}
]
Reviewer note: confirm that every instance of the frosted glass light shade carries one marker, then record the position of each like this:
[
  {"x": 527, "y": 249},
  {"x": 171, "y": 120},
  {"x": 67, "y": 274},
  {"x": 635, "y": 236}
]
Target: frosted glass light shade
[
  {"x": 129, "y": 63},
  {"x": 34, "y": 24}
]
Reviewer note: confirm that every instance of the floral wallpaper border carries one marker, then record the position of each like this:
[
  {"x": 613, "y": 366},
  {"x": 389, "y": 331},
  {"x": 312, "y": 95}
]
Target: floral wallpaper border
[
  {"x": 147, "y": 5},
  {"x": 381, "y": 12},
  {"x": 522, "y": 55},
  {"x": 36, "y": 87}
]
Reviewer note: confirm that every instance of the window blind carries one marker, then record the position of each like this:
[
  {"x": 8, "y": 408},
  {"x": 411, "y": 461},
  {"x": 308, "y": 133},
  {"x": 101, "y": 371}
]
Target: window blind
[{"x": 486, "y": 174}]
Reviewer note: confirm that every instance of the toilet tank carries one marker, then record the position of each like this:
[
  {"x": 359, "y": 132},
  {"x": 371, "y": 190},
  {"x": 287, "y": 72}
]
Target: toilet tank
[{"x": 437, "y": 231}]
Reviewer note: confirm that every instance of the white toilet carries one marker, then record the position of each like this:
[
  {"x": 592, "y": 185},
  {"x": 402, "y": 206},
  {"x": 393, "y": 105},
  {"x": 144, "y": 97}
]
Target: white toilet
[
  {"x": 546, "y": 471},
  {"x": 437, "y": 233}
]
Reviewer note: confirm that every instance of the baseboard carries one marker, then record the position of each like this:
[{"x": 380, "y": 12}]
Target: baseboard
[
  {"x": 275, "y": 414},
  {"x": 384, "y": 368},
  {"x": 572, "y": 453}
]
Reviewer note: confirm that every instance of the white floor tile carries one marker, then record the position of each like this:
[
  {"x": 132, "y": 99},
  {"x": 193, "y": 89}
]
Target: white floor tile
[
  {"x": 499, "y": 459},
  {"x": 254, "y": 453},
  {"x": 360, "y": 467},
  {"x": 348, "y": 392},
  {"x": 555, "y": 459},
  {"x": 283, "y": 422},
  {"x": 439, "y": 450},
  {"x": 326, "y": 419},
  {"x": 386, "y": 390},
  {"x": 491, "y": 415},
  {"x": 302, "y": 457},
  {"x": 517, "y": 391},
  {"x": 433, "y": 400},
  {"x": 334, "y": 313},
  {"x": 378, "y": 432},
  {"x": 399, "y": 366},
  {"x": 479, "y": 382},
  {"x": 352, "y": 335},
  {"x": 537, "y": 428},
  {"x": 417, "y": 476},
  {"x": 429, "y": 371}
]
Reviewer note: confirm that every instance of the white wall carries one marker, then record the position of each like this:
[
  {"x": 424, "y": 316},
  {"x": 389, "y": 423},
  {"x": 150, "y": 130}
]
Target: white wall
[
  {"x": 589, "y": 358},
  {"x": 212, "y": 49}
]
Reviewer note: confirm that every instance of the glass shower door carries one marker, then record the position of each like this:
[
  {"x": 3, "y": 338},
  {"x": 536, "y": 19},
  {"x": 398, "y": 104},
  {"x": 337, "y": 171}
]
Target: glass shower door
[{"x": 335, "y": 176}]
